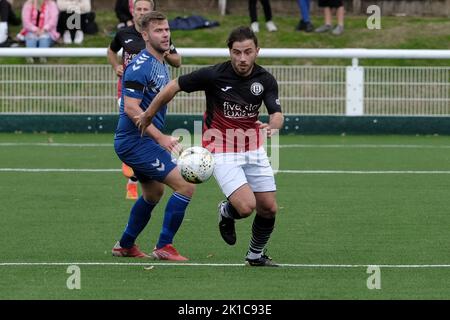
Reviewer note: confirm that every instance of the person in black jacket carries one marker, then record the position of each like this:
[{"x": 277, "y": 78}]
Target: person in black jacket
[{"x": 7, "y": 17}]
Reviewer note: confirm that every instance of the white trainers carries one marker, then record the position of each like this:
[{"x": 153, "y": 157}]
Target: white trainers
[
  {"x": 271, "y": 27},
  {"x": 338, "y": 30},
  {"x": 255, "y": 27},
  {"x": 67, "y": 39},
  {"x": 79, "y": 36}
]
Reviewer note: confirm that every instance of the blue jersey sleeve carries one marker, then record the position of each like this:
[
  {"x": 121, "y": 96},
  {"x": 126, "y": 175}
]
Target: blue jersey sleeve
[{"x": 136, "y": 79}]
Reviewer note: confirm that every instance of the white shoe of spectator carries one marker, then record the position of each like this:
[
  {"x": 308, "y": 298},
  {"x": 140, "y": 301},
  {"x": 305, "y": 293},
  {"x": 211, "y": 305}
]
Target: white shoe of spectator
[
  {"x": 20, "y": 37},
  {"x": 29, "y": 60},
  {"x": 43, "y": 60},
  {"x": 255, "y": 27},
  {"x": 271, "y": 27},
  {"x": 79, "y": 36},
  {"x": 67, "y": 38}
]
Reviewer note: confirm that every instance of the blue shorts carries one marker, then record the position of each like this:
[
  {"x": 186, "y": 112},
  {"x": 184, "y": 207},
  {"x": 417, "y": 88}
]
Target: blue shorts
[{"x": 148, "y": 159}]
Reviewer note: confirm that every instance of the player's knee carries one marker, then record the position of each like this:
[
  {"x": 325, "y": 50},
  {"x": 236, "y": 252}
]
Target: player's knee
[
  {"x": 155, "y": 195},
  {"x": 268, "y": 212},
  {"x": 246, "y": 209}
]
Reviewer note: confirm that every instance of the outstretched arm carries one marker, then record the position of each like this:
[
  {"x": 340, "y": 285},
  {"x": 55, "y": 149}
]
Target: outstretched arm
[
  {"x": 275, "y": 123},
  {"x": 144, "y": 119},
  {"x": 113, "y": 61},
  {"x": 133, "y": 110}
]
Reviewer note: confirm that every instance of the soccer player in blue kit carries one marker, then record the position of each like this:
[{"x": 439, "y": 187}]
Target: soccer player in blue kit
[{"x": 149, "y": 156}]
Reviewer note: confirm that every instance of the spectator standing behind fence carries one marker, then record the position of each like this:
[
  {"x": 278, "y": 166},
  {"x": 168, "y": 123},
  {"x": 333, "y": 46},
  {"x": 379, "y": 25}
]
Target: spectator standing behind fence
[
  {"x": 124, "y": 9},
  {"x": 328, "y": 6},
  {"x": 70, "y": 25},
  {"x": 39, "y": 18},
  {"x": 305, "y": 20},
  {"x": 271, "y": 27}
]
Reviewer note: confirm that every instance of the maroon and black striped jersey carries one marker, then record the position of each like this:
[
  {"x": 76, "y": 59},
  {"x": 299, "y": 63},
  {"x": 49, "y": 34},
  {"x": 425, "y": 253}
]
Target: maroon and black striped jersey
[{"x": 232, "y": 104}]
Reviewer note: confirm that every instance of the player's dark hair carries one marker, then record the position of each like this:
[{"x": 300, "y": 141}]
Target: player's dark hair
[
  {"x": 145, "y": 20},
  {"x": 241, "y": 34}
]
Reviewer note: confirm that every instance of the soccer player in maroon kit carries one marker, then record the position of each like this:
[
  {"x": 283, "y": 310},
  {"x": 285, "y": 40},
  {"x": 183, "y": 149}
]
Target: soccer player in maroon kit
[
  {"x": 234, "y": 92},
  {"x": 130, "y": 39}
]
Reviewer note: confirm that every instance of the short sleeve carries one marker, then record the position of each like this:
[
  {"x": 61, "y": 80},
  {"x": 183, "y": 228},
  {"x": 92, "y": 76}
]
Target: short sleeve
[
  {"x": 134, "y": 81},
  {"x": 172, "y": 48},
  {"x": 198, "y": 80},
  {"x": 271, "y": 99},
  {"x": 115, "y": 44}
]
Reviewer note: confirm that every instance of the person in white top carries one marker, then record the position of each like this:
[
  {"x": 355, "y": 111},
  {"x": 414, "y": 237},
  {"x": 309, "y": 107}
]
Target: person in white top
[{"x": 72, "y": 16}]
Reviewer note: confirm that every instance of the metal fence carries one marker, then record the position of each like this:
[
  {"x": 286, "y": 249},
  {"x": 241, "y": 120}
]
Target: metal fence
[{"x": 307, "y": 90}]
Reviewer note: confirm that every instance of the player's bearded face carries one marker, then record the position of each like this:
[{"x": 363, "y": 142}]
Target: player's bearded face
[
  {"x": 158, "y": 35},
  {"x": 141, "y": 8},
  {"x": 243, "y": 55}
]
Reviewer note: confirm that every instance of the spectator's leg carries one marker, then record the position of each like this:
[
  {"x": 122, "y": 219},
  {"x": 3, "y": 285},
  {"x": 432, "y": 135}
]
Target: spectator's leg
[
  {"x": 62, "y": 22},
  {"x": 267, "y": 9},
  {"x": 304, "y": 9},
  {"x": 340, "y": 15},
  {"x": 31, "y": 40},
  {"x": 252, "y": 10},
  {"x": 327, "y": 15},
  {"x": 45, "y": 41}
]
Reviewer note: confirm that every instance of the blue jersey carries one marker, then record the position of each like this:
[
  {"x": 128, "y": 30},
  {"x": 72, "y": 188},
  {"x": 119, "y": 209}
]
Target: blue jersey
[{"x": 143, "y": 78}]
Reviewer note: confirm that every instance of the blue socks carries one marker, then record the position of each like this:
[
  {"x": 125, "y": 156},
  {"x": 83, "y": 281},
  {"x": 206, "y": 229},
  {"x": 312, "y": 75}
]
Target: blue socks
[
  {"x": 173, "y": 217},
  {"x": 139, "y": 216}
]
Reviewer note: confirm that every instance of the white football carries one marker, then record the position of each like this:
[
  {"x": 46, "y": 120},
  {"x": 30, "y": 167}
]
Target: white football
[{"x": 196, "y": 164}]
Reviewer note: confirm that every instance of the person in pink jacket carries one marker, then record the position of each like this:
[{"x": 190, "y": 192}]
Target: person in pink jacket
[{"x": 39, "y": 18}]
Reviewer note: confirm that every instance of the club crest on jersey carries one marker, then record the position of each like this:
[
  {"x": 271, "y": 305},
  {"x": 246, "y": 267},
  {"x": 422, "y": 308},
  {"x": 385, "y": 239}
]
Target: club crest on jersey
[{"x": 256, "y": 88}]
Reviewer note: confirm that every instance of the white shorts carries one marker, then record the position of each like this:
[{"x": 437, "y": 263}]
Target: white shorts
[{"x": 232, "y": 170}]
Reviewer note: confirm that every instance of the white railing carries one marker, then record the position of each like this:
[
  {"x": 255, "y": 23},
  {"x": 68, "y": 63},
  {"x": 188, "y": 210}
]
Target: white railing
[
  {"x": 315, "y": 90},
  {"x": 264, "y": 53}
]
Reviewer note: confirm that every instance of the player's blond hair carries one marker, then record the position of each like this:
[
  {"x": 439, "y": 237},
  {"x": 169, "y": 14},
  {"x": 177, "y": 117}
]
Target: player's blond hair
[{"x": 145, "y": 20}]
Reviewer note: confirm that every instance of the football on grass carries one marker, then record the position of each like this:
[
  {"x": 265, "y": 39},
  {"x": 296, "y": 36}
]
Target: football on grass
[{"x": 196, "y": 164}]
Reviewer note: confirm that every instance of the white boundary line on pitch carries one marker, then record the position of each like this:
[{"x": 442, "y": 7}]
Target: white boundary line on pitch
[
  {"x": 400, "y": 146},
  {"x": 172, "y": 264},
  {"x": 82, "y": 170},
  {"x": 57, "y": 170},
  {"x": 43, "y": 144},
  {"x": 110, "y": 145}
]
